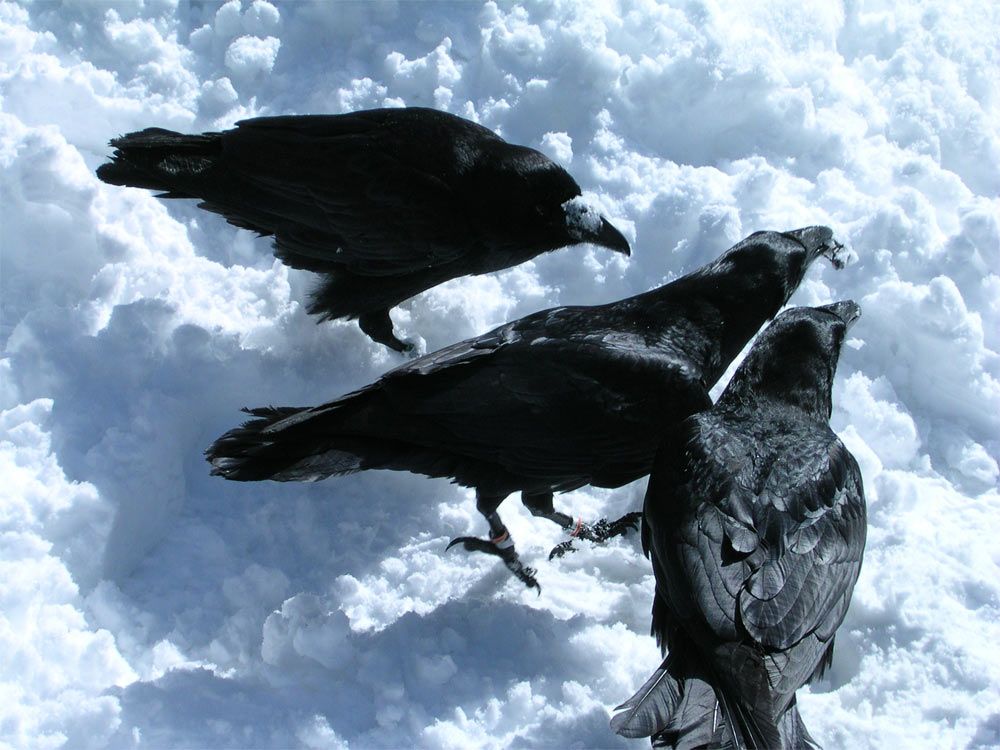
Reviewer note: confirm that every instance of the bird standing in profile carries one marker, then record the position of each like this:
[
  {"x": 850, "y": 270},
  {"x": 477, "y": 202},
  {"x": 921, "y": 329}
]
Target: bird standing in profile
[
  {"x": 755, "y": 522},
  {"x": 384, "y": 203},
  {"x": 551, "y": 402}
]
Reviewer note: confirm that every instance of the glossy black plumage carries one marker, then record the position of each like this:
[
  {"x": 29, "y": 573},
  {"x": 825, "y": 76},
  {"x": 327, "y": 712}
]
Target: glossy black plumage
[
  {"x": 384, "y": 203},
  {"x": 755, "y": 522},
  {"x": 553, "y": 401}
]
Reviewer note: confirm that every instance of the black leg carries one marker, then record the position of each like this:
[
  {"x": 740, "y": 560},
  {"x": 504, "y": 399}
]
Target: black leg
[
  {"x": 378, "y": 326},
  {"x": 540, "y": 505},
  {"x": 499, "y": 543}
]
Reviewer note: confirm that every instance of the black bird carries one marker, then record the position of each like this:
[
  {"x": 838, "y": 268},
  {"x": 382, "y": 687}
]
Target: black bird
[
  {"x": 551, "y": 402},
  {"x": 385, "y": 203},
  {"x": 755, "y": 521}
]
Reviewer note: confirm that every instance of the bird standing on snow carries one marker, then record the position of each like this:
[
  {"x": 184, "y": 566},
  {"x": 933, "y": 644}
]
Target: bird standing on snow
[
  {"x": 551, "y": 402},
  {"x": 755, "y": 522},
  {"x": 384, "y": 203}
]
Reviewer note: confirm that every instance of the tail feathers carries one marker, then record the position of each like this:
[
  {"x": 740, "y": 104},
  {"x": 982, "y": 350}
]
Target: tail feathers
[
  {"x": 698, "y": 721},
  {"x": 681, "y": 712},
  {"x": 651, "y": 708},
  {"x": 749, "y": 729},
  {"x": 262, "y": 448},
  {"x": 793, "y": 731},
  {"x": 158, "y": 159},
  {"x": 679, "y": 708}
]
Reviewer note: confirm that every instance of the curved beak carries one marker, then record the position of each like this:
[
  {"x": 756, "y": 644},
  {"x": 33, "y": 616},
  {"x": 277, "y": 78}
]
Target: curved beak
[
  {"x": 609, "y": 237},
  {"x": 847, "y": 310},
  {"x": 818, "y": 240}
]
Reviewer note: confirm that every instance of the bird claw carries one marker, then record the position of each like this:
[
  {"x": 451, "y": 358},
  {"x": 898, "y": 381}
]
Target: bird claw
[
  {"x": 561, "y": 549},
  {"x": 474, "y": 544},
  {"x": 522, "y": 572},
  {"x": 598, "y": 532},
  {"x": 628, "y": 522},
  {"x": 603, "y": 530},
  {"x": 400, "y": 345}
]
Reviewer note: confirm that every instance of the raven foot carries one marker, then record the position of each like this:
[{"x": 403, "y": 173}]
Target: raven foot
[
  {"x": 603, "y": 530},
  {"x": 598, "y": 532},
  {"x": 378, "y": 327},
  {"x": 522, "y": 572},
  {"x": 403, "y": 346},
  {"x": 504, "y": 549},
  {"x": 561, "y": 549}
]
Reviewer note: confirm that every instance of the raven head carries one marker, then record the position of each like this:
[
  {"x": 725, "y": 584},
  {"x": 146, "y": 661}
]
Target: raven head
[
  {"x": 847, "y": 310},
  {"x": 818, "y": 241},
  {"x": 533, "y": 198},
  {"x": 767, "y": 267},
  {"x": 793, "y": 361}
]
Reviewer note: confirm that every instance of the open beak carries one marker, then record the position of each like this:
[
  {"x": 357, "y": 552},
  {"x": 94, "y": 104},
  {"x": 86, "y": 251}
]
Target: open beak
[
  {"x": 611, "y": 238},
  {"x": 847, "y": 310},
  {"x": 834, "y": 253},
  {"x": 817, "y": 241}
]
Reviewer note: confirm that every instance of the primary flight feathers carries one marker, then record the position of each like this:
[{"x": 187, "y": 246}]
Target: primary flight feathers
[
  {"x": 384, "y": 203},
  {"x": 755, "y": 522},
  {"x": 553, "y": 401}
]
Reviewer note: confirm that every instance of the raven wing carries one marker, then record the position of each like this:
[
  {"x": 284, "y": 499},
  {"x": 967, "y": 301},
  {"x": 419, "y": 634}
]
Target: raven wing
[
  {"x": 549, "y": 398},
  {"x": 815, "y": 528},
  {"x": 364, "y": 191},
  {"x": 553, "y": 397},
  {"x": 761, "y": 546}
]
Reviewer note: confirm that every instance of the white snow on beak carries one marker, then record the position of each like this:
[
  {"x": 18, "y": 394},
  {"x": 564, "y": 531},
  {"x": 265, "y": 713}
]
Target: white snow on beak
[{"x": 583, "y": 220}]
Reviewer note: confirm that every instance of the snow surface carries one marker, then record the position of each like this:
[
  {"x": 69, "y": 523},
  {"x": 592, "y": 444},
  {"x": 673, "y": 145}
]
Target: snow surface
[{"x": 146, "y": 604}]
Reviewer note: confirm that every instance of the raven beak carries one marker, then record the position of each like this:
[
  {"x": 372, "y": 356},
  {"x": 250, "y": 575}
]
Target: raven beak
[
  {"x": 817, "y": 241},
  {"x": 611, "y": 238},
  {"x": 847, "y": 310}
]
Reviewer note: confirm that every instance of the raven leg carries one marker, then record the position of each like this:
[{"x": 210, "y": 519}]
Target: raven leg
[
  {"x": 378, "y": 326},
  {"x": 540, "y": 504},
  {"x": 499, "y": 543}
]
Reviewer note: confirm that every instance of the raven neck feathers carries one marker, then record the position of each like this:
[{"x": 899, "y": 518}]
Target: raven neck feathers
[{"x": 713, "y": 312}]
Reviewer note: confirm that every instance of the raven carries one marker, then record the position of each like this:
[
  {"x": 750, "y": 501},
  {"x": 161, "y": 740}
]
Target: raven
[
  {"x": 384, "y": 203},
  {"x": 554, "y": 401},
  {"x": 755, "y": 521}
]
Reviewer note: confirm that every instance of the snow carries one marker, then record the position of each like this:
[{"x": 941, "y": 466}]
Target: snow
[
  {"x": 582, "y": 219},
  {"x": 146, "y": 604}
]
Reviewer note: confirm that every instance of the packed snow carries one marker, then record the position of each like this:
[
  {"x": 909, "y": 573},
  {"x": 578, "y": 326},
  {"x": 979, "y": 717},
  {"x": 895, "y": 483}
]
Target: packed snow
[{"x": 145, "y": 604}]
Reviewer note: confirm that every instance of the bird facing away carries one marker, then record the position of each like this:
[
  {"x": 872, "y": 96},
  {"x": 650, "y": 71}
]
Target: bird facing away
[
  {"x": 755, "y": 521},
  {"x": 554, "y": 401},
  {"x": 383, "y": 203}
]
